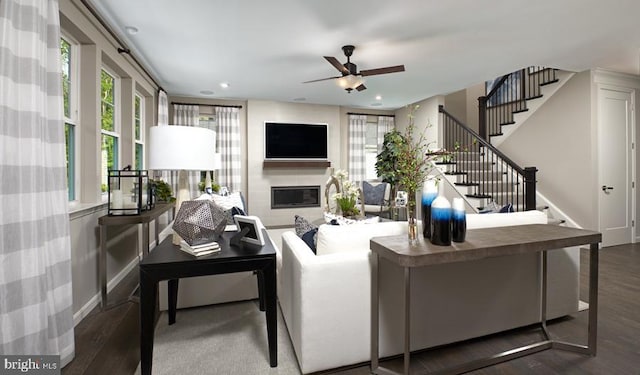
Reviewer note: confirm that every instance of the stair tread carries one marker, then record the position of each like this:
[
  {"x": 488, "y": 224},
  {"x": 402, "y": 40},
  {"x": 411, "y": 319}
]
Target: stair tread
[
  {"x": 466, "y": 184},
  {"x": 549, "y": 82},
  {"x": 521, "y": 110},
  {"x": 507, "y": 123},
  {"x": 480, "y": 196}
]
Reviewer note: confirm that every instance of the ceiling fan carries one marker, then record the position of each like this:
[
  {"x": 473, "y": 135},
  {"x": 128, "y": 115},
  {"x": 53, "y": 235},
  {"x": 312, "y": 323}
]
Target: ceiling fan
[{"x": 349, "y": 79}]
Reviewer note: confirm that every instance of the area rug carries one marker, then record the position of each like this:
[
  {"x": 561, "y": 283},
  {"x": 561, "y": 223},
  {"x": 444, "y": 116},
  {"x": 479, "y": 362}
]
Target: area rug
[{"x": 221, "y": 339}]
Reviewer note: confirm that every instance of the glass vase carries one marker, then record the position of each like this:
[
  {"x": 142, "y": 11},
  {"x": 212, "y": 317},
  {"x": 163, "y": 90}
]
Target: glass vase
[{"x": 412, "y": 221}]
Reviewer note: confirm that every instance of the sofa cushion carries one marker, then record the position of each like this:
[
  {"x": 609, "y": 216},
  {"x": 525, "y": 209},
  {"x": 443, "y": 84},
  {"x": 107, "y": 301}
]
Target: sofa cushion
[
  {"x": 506, "y": 219},
  {"x": 355, "y": 237},
  {"x": 307, "y": 231},
  {"x": 373, "y": 194}
]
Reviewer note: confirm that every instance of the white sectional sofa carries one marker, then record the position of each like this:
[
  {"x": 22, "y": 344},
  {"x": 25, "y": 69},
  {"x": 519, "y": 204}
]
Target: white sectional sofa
[{"x": 325, "y": 298}]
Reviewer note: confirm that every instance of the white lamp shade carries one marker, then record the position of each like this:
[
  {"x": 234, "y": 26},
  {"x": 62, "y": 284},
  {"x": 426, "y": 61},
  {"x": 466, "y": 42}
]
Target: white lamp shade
[
  {"x": 217, "y": 161},
  {"x": 173, "y": 147}
]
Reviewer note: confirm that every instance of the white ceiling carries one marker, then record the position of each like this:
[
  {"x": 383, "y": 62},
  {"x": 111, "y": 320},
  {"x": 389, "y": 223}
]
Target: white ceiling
[{"x": 266, "y": 49}]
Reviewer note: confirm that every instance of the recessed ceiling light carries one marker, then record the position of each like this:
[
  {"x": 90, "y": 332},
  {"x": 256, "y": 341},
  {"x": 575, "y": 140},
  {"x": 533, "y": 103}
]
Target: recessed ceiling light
[
  {"x": 378, "y": 97},
  {"x": 206, "y": 92},
  {"x": 131, "y": 30},
  {"x": 224, "y": 85}
]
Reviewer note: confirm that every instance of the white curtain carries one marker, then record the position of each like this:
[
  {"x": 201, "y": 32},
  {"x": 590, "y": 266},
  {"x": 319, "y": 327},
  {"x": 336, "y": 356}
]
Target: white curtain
[
  {"x": 189, "y": 115},
  {"x": 357, "y": 139},
  {"x": 36, "y": 312},
  {"x": 385, "y": 125},
  {"x": 163, "y": 108},
  {"x": 230, "y": 173}
]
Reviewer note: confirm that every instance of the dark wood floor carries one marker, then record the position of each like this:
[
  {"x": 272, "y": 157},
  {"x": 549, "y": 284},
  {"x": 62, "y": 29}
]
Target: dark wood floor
[{"x": 107, "y": 342}]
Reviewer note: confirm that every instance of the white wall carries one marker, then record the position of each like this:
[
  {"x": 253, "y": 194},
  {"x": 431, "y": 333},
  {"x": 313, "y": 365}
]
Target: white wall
[
  {"x": 95, "y": 49},
  {"x": 557, "y": 139}
]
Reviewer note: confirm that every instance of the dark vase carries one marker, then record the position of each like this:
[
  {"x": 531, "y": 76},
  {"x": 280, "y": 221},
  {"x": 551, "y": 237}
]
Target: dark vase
[
  {"x": 458, "y": 221},
  {"x": 441, "y": 222},
  {"x": 429, "y": 193}
]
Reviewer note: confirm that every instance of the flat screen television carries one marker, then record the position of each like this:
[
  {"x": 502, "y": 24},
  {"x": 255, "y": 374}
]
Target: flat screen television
[{"x": 295, "y": 141}]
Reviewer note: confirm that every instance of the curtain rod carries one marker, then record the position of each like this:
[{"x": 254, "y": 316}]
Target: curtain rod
[
  {"x": 122, "y": 48},
  {"x": 210, "y": 105},
  {"x": 369, "y": 114}
]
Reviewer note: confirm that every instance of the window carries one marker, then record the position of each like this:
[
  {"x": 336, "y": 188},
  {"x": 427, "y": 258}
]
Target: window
[
  {"x": 110, "y": 135},
  {"x": 138, "y": 111},
  {"x": 371, "y": 148},
  {"x": 69, "y": 87}
]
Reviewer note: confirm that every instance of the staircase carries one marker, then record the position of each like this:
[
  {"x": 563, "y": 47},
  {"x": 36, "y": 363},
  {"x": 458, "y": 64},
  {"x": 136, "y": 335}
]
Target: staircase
[{"x": 480, "y": 172}]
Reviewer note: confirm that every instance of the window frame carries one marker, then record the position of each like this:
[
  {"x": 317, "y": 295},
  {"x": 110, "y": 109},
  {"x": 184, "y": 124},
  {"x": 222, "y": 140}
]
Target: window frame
[
  {"x": 71, "y": 121},
  {"x": 372, "y": 122},
  {"x": 116, "y": 132},
  {"x": 138, "y": 125}
]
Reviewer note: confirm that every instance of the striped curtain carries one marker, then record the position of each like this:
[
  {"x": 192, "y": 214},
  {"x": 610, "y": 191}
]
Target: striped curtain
[
  {"x": 230, "y": 173},
  {"x": 357, "y": 134},
  {"x": 163, "y": 108},
  {"x": 36, "y": 313},
  {"x": 188, "y": 115},
  {"x": 385, "y": 125}
]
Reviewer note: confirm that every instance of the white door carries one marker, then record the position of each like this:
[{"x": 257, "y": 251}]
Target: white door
[{"x": 615, "y": 145}]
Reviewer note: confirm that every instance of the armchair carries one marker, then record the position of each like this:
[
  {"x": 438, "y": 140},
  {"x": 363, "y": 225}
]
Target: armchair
[{"x": 376, "y": 198}]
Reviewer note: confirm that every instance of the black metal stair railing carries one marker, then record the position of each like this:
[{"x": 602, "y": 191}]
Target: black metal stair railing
[
  {"x": 508, "y": 95},
  {"x": 489, "y": 173}
]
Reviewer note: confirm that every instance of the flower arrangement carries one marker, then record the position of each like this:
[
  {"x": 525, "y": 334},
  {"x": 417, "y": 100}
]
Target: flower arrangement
[{"x": 347, "y": 197}]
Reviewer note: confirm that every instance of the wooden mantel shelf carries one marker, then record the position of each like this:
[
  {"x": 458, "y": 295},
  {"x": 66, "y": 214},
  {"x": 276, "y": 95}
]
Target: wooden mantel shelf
[{"x": 296, "y": 164}]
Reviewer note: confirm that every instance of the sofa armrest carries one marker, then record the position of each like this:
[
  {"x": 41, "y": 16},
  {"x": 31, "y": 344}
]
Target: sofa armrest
[{"x": 322, "y": 295}]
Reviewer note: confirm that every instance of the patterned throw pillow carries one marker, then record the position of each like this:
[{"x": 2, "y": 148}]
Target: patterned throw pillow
[
  {"x": 373, "y": 194},
  {"x": 307, "y": 231}
]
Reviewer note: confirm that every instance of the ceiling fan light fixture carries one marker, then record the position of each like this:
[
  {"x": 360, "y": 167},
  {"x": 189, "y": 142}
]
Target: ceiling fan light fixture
[{"x": 349, "y": 81}]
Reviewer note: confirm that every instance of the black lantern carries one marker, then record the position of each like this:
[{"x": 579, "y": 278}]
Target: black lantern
[{"x": 130, "y": 192}]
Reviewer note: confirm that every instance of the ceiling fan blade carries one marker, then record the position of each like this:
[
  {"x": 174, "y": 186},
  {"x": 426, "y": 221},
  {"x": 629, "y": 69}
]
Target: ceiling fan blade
[
  {"x": 322, "y": 79},
  {"x": 389, "y": 69},
  {"x": 361, "y": 87},
  {"x": 336, "y": 64}
]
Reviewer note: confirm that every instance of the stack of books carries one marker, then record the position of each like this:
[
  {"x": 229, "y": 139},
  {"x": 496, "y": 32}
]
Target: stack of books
[{"x": 200, "y": 250}]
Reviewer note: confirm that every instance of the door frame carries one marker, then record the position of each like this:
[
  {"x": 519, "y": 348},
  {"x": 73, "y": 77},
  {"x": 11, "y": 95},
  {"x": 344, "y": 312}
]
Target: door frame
[{"x": 631, "y": 85}]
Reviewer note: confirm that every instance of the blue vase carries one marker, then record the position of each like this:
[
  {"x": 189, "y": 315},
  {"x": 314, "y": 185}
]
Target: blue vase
[
  {"x": 441, "y": 222},
  {"x": 429, "y": 193},
  {"x": 458, "y": 221}
]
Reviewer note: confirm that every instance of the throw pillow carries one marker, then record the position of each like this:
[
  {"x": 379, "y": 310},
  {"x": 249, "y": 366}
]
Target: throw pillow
[
  {"x": 304, "y": 228},
  {"x": 310, "y": 239},
  {"x": 506, "y": 208},
  {"x": 373, "y": 194},
  {"x": 230, "y": 213}
]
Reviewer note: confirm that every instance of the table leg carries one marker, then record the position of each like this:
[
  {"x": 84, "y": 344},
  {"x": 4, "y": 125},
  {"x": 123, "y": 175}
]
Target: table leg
[
  {"x": 148, "y": 300},
  {"x": 102, "y": 266},
  {"x": 375, "y": 352},
  {"x": 593, "y": 298},
  {"x": 261, "y": 297},
  {"x": 172, "y": 298},
  {"x": 269, "y": 273},
  {"x": 407, "y": 319},
  {"x": 145, "y": 239},
  {"x": 156, "y": 224}
]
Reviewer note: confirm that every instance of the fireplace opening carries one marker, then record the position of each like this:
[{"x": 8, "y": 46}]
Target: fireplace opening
[{"x": 295, "y": 196}]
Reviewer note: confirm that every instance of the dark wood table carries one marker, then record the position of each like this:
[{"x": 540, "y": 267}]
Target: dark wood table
[
  {"x": 168, "y": 262},
  {"x": 143, "y": 219},
  {"x": 480, "y": 244}
]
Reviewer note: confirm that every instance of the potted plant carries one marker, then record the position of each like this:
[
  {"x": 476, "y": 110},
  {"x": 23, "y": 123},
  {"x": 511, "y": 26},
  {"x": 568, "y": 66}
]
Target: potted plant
[
  {"x": 387, "y": 159},
  {"x": 413, "y": 164}
]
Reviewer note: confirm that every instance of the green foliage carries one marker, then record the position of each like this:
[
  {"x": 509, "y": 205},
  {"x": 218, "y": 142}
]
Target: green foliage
[
  {"x": 107, "y": 83},
  {"x": 65, "y": 58},
  {"x": 163, "y": 191},
  {"x": 388, "y": 157},
  {"x": 214, "y": 186}
]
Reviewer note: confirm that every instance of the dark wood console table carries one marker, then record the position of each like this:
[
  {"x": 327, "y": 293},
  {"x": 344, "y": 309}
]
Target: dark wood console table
[
  {"x": 144, "y": 218},
  {"x": 479, "y": 244},
  {"x": 168, "y": 262}
]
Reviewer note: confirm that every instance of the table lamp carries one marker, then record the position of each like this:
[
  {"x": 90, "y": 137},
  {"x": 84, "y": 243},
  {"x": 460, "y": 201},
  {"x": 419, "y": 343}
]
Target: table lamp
[{"x": 182, "y": 149}]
